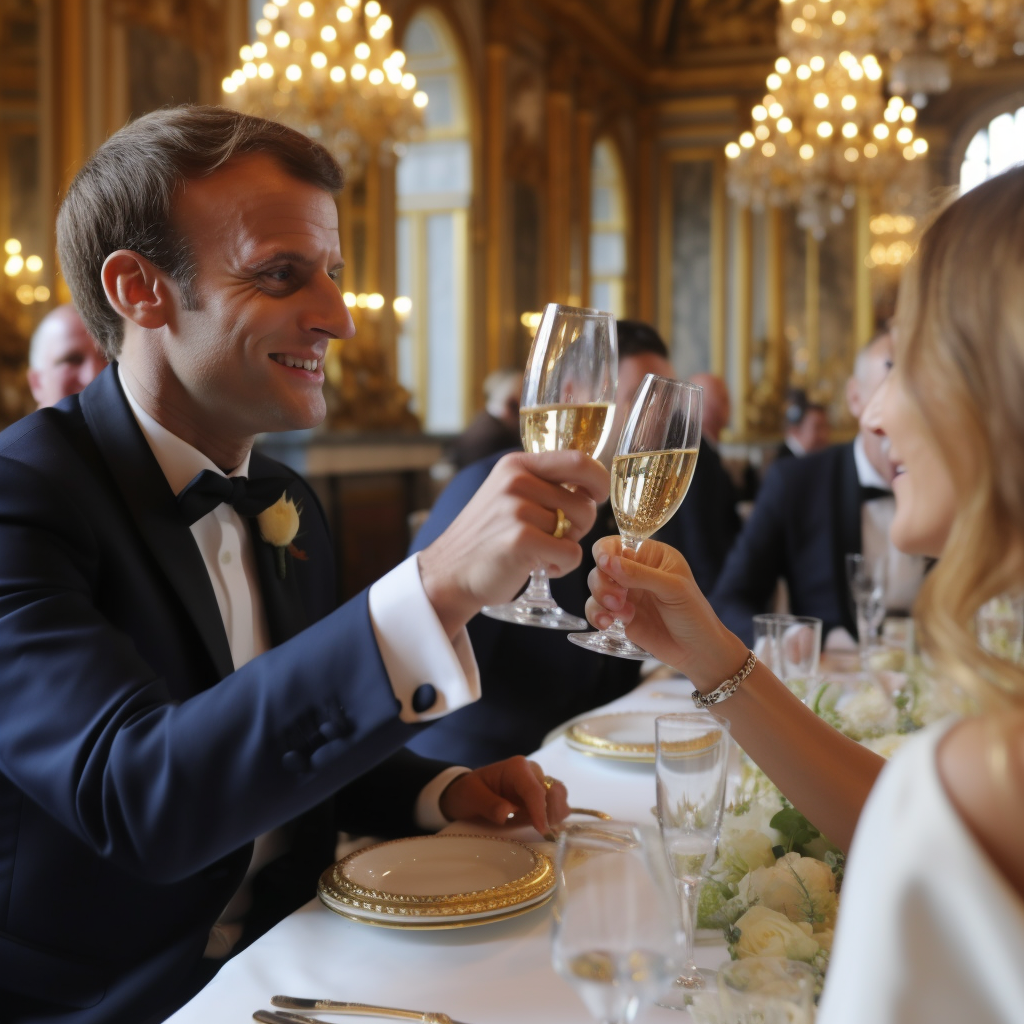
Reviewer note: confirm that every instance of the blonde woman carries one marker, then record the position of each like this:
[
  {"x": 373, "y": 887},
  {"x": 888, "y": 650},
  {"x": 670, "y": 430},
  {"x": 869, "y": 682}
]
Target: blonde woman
[{"x": 932, "y": 921}]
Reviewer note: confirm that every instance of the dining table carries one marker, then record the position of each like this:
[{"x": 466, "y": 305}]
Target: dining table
[{"x": 491, "y": 973}]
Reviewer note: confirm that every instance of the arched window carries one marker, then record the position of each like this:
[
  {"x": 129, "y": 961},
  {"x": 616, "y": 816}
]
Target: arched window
[
  {"x": 993, "y": 149},
  {"x": 607, "y": 231},
  {"x": 434, "y": 186}
]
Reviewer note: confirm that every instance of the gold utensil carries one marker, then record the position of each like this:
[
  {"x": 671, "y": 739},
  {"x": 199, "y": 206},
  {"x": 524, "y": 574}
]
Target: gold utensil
[
  {"x": 552, "y": 836},
  {"x": 361, "y": 1009}
]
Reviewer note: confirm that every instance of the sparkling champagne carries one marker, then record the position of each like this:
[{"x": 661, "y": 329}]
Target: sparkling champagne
[
  {"x": 582, "y": 428},
  {"x": 648, "y": 488}
]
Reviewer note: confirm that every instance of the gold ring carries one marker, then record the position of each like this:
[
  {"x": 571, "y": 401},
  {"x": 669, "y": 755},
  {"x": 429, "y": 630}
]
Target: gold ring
[
  {"x": 562, "y": 524},
  {"x": 549, "y": 782}
]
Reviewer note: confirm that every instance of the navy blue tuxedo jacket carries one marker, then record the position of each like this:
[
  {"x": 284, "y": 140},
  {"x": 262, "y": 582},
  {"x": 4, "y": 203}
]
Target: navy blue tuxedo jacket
[
  {"x": 806, "y": 519},
  {"x": 136, "y": 766},
  {"x": 534, "y": 679}
]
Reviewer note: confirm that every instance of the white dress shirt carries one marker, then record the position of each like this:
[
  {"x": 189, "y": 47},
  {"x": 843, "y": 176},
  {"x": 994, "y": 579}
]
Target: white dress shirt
[
  {"x": 413, "y": 645},
  {"x": 904, "y": 573}
]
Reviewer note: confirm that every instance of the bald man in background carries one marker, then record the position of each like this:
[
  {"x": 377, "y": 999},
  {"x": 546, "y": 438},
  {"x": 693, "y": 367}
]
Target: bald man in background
[{"x": 63, "y": 358}]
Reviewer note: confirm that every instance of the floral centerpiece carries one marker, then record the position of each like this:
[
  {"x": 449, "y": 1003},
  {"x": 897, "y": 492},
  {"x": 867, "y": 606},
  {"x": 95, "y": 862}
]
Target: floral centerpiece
[{"x": 774, "y": 887}]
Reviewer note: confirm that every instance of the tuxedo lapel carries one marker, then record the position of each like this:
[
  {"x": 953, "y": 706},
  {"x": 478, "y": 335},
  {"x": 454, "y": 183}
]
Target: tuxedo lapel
[
  {"x": 282, "y": 598},
  {"x": 154, "y": 509},
  {"x": 846, "y": 523}
]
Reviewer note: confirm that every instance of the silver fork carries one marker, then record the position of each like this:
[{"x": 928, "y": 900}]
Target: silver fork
[{"x": 361, "y": 1009}]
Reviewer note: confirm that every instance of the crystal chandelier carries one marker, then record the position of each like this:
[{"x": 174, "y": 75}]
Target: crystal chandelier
[
  {"x": 914, "y": 35},
  {"x": 330, "y": 72},
  {"x": 821, "y": 130}
]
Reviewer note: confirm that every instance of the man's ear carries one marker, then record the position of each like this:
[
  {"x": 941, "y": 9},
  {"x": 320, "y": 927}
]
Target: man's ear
[
  {"x": 34, "y": 384},
  {"x": 137, "y": 290}
]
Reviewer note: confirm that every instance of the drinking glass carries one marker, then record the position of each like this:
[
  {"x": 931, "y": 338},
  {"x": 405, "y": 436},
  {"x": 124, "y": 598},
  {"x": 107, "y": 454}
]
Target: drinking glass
[
  {"x": 651, "y": 473},
  {"x": 766, "y": 990},
  {"x": 567, "y": 403},
  {"x": 692, "y": 757},
  {"x": 866, "y": 578},
  {"x": 616, "y": 933},
  {"x": 790, "y": 645}
]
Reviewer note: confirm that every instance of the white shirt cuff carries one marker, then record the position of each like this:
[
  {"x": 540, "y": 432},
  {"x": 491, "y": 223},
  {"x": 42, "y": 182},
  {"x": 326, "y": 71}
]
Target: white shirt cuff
[
  {"x": 428, "y": 804},
  {"x": 415, "y": 648}
]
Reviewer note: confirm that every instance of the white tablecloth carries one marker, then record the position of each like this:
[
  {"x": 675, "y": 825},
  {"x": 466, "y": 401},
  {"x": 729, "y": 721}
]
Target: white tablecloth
[{"x": 493, "y": 974}]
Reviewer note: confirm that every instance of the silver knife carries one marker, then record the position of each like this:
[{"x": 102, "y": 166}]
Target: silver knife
[{"x": 361, "y": 1009}]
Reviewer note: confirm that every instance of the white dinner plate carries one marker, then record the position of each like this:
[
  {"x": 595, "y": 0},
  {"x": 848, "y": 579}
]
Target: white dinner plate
[
  {"x": 438, "y": 881},
  {"x": 622, "y": 736}
]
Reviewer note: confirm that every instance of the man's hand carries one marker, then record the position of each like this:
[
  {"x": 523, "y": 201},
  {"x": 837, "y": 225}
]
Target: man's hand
[
  {"x": 506, "y": 792},
  {"x": 507, "y": 529},
  {"x": 654, "y": 594}
]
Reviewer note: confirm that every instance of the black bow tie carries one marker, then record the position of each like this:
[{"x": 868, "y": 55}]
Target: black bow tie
[
  {"x": 870, "y": 493},
  {"x": 207, "y": 490}
]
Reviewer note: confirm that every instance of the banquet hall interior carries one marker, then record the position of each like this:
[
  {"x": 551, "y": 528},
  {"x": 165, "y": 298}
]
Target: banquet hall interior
[
  {"x": 741, "y": 184},
  {"x": 747, "y": 176}
]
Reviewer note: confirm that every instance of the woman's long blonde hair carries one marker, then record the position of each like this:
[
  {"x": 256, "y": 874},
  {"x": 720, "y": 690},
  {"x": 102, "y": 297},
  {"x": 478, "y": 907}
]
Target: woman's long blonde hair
[{"x": 960, "y": 347}]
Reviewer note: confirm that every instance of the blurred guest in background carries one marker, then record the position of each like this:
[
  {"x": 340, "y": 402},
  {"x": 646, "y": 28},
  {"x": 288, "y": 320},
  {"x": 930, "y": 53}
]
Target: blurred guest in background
[
  {"x": 533, "y": 679},
  {"x": 63, "y": 358},
  {"x": 717, "y": 407},
  {"x": 813, "y": 511},
  {"x": 495, "y": 427},
  {"x": 806, "y": 426}
]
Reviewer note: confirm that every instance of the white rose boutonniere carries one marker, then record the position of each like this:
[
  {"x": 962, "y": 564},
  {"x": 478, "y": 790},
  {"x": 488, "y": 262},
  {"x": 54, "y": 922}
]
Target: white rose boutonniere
[{"x": 279, "y": 526}]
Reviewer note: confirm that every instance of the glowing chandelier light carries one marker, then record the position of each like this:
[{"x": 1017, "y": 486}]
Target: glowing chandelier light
[
  {"x": 914, "y": 35},
  {"x": 820, "y": 131},
  {"x": 330, "y": 71}
]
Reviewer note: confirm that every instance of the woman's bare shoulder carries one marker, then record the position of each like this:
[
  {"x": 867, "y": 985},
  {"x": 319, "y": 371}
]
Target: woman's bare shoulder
[{"x": 981, "y": 764}]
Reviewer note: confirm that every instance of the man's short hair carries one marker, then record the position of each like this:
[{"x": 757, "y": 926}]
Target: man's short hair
[
  {"x": 637, "y": 339},
  {"x": 123, "y": 197}
]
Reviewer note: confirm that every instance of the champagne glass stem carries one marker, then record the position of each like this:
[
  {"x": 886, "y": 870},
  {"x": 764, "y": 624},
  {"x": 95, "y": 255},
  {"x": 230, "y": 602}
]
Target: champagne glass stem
[
  {"x": 689, "y": 894},
  {"x": 538, "y": 588},
  {"x": 630, "y": 546}
]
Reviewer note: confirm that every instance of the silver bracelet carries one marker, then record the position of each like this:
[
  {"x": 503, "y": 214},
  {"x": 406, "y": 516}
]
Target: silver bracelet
[{"x": 728, "y": 688}]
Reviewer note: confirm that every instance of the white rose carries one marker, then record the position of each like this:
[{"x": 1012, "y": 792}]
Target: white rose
[
  {"x": 802, "y": 888},
  {"x": 765, "y": 932},
  {"x": 280, "y": 523},
  {"x": 739, "y": 853}
]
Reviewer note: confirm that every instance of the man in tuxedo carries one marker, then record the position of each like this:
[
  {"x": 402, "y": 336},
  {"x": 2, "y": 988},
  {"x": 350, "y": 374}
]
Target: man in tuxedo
[
  {"x": 813, "y": 511},
  {"x": 806, "y": 427},
  {"x": 533, "y": 679},
  {"x": 176, "y": 681}
]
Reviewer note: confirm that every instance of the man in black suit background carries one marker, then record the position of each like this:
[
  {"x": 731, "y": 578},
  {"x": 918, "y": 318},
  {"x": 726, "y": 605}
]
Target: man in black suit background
[
  {"x": 175, "y": 679},
  {"x": 534, "y": 679},
  {"x": 813, "y": 511}
]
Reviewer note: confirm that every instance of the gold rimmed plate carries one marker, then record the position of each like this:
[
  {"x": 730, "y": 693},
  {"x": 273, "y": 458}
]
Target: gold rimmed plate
[
  {"x": 622, "y": 736},
  {"x": 437, "y": 881}
]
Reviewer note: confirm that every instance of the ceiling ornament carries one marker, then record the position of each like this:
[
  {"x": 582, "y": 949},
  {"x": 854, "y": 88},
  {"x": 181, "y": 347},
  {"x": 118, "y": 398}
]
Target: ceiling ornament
[{"x": 330, "y": 71}]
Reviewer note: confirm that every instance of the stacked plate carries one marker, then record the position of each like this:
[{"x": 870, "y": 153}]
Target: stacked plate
[
  {"x": 443, "y": 881},
  {"x": 625, "y": 736}
]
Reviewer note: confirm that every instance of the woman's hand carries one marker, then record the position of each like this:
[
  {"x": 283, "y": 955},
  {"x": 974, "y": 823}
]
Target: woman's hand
[
  {"x": 506, "y": 792},
  {"x": 654, "y": 594}
]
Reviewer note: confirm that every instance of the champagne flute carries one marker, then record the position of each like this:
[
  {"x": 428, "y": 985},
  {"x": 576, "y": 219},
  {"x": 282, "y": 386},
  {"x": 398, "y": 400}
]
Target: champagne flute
[
  {"x": 691, "y": 767},
  {"x": 568, "y": 403},
  {"x": 615, "y": 935},
  {"x": 651, "y": 473}
]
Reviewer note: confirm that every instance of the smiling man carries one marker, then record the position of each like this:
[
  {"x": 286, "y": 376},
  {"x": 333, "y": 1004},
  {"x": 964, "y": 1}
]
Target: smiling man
[{"x": 174, "y": 685}]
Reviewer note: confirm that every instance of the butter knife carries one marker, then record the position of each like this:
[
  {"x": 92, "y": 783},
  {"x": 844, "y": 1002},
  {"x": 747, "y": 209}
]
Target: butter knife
[{"x": 361, "y": 1009}]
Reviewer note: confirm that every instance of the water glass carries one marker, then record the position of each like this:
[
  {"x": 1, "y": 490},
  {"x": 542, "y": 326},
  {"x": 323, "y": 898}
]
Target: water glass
[
  {"x": 866, "y": 578},
  {"x": 692, "y": 759},
  {"x": 616, "y": 931},
  {"x": 766, "y": 990},
  {"x": 790, "y": 645}
]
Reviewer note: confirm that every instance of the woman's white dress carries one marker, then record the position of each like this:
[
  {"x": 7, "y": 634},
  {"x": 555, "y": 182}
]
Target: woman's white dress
[{"x": 929, "y": 931}]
